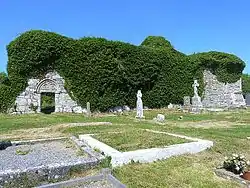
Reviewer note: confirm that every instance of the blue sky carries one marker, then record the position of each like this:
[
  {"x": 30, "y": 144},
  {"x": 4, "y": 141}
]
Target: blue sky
[{"x": 190, "y": 25}]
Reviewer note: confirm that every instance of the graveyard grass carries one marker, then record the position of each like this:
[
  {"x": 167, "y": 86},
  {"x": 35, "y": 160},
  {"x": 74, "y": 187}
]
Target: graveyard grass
[
  {"x": 228, "y": 130},
  {"x": 137, "y": 139}
]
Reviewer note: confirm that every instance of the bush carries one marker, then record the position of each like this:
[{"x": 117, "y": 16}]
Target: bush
[
  {"x": 236, "y": 164},
  {"x": 109, "y": 73}
]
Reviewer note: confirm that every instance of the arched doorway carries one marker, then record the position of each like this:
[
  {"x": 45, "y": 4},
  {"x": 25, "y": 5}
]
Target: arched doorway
[
  {"x": 47, "y": 102},
  {"x": 31, "y": 99},
  {"x": 47, "y": 91}
]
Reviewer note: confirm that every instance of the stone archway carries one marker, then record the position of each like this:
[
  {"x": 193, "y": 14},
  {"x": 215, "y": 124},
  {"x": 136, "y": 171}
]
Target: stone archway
[
  {"x": 29, "y": 101},
  {"x": 46, "y": 86}
]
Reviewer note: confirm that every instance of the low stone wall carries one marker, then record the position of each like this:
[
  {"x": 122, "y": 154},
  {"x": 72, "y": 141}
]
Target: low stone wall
[
  {"x": 41, "y": 174},
  {"x": 104, "y": 175},
  {"x": 148, "y": 155}
]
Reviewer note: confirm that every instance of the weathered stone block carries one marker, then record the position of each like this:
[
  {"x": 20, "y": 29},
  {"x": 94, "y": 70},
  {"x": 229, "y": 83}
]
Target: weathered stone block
[
  {"x": 186, "y": 101},
  {"x": 160, "y": 118},
  {"x": 77, "y": 109}
]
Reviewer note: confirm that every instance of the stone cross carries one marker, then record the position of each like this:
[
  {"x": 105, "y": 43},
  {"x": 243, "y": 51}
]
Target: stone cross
[
  {"x": 139, "y": 105},
  {"x": 195, "y": 85}
]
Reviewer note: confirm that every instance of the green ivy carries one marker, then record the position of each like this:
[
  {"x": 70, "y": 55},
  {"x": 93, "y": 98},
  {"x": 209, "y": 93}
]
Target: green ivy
[
  {"x": 109, "y": 73},
  {"x": 227, "y": 67},
  {"x": 246, "y": 83}
]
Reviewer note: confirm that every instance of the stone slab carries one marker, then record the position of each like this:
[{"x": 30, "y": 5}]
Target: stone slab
[
  {"x": 231, "y": 176},
  {"x": 104, "y": 175},
  {"x": 44, "y": 161}
]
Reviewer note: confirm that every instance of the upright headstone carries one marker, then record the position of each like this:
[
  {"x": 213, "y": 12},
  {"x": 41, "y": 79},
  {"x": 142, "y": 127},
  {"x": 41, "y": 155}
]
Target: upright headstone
[
  {"x": 160, "y": 118},
  {"x": 196, "y": 99},
  {"x": 88, "y": 109},
  {"x": 186, "y": 102},
  {"x": 170, "y": 106},
  {"x": 248, "y": 99},
  {"x": 139, "y": 105}
]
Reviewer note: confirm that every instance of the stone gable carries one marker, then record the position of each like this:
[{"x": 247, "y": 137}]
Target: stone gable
[
  {"x": 52, "y": 83},
  {"x": 221, "y": 95}
]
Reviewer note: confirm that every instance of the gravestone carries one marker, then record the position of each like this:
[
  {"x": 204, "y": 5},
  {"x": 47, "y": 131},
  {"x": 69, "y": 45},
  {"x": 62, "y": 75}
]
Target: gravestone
[
  {"x": 248, "y": 99},
  {"x": 196, "y": 99},
  {"x": 186, "y": 101},
  {"x": 160, "y": 118},
  {"x": 88, "y": 109},
  {"x": 139, "y": 105},
  {"x": 170, "y": 106}
]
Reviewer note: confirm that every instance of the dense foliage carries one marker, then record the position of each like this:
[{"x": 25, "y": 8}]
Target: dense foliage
[
  {"x": 3, "y": 78},
  {"x": 157, "y": 42},
  {"x": 245, "y": 83},
  {"x": 109, "y": 73},
  {"x": 227, "y": 67}
]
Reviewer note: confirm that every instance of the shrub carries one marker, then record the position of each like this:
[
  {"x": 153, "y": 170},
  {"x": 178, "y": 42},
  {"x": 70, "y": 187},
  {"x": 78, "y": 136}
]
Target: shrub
[
  {"x": 236, "y": 164},
  {"x": 109, "y": 73}
]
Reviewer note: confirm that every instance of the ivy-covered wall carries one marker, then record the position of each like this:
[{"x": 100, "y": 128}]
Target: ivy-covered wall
[{"x": 109, "y": 73}]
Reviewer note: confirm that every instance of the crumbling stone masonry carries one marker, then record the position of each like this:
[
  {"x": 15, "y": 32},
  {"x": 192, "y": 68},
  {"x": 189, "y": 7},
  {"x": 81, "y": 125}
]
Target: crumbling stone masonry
[
  {"x": 221, "y": 95},
  {"x": 29, "y": 100}
]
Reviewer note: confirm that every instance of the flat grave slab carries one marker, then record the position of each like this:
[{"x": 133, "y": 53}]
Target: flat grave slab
[
  {"x": 39, "y": 154},
  {"x": 41, "y": 161}
]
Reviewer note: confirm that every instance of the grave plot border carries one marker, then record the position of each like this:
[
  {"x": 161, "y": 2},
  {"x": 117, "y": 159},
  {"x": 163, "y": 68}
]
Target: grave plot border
[{"x": 148, "y": 155}]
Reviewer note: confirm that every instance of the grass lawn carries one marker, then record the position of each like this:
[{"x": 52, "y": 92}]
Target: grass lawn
[
  {"x": 228, "y": 131},
  {"x": 138, "y": 139}
]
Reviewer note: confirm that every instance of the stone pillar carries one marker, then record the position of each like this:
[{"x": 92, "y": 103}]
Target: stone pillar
[
  {"x": 57, "y": 106},
  {"x": 88, "y": 109},
  {"x": 186, "y": 103},
  {"x": 39, "y": 102}
]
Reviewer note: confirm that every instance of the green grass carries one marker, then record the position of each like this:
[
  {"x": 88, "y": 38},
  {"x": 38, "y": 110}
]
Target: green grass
[
  {"x": 138, "y": 139},
  {"x": 182, "y": 171},
  {"x": 14, "y": 122},
  {"x": 22, "y": 152}
]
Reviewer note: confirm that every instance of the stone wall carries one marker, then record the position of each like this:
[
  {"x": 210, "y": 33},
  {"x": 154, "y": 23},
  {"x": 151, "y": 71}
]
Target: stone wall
[
  {"x": 221, "y": 95},
  {"x": 52, "y": 83}
]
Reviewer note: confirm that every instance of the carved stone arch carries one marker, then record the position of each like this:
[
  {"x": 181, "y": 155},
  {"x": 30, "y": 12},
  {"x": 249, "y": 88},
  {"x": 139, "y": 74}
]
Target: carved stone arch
[{"x": 47, "y": 85}]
